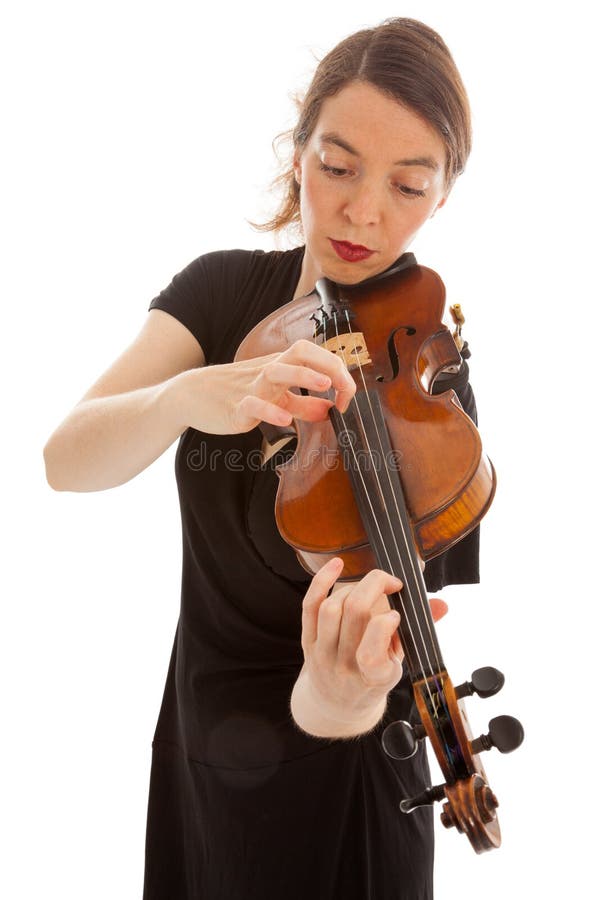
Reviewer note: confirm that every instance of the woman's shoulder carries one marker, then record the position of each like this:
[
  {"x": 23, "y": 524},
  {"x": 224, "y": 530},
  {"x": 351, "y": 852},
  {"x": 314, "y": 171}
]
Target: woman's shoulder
[
  {"x": 267, "y": 277},
  {"x": 228, "y": 272},
  {"x": 222, "y": 294},
  {"x": 243, "y": 259}
]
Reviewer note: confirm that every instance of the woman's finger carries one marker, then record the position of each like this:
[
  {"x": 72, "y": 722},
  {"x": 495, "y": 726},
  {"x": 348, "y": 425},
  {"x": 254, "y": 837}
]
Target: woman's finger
[
  {"x": 251, "y": 410},
  {"x": 283, "y": 375},
  {"x": 367, "y": 597},
  {"x": 324, "y": 361},
  {"x": 396, "y": 649},
  {"x": 329, "y": 620},
  {"x": 375, "y": 657},
  {"x": 309, "y": 409},
  {"x": 321, "y": 584},
  {"x": 438, "y": 608}
]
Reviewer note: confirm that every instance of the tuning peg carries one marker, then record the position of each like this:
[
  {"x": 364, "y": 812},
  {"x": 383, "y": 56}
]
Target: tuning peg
[
  {"x": 427, "y": 798},
  {"x": 505, "y": 734},
  {"x": 401, "y": 739},
  {"x": 484, "y": 682}
]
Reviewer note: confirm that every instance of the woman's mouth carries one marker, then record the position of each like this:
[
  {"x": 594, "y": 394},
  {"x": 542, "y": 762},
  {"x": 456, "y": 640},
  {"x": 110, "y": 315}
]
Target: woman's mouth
[{"x": 350, "y": 252}]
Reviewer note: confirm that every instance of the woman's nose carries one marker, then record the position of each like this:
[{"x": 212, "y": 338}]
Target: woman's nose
[{"x": 363, "y": 204}]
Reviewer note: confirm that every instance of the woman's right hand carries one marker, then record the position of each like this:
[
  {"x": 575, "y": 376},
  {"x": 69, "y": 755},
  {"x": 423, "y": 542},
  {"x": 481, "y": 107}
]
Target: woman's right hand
[{"x": 235, "y": 397}]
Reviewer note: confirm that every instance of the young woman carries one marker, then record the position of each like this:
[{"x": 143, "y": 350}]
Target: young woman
[{"x": 268, "y": 776}]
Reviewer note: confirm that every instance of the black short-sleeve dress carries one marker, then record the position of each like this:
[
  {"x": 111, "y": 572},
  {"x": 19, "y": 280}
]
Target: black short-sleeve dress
[{"x": 242, "y": 804}]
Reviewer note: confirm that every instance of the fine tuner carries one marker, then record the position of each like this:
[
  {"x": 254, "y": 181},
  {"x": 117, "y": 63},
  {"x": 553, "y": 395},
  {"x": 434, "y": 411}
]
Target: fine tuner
[{"x": 401, "y": 739}]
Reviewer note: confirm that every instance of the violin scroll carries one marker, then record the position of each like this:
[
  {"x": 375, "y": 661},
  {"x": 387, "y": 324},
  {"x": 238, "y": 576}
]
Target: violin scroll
[
  {"x": 471, "y": 809},
  {"x": 470, "y": 804}
]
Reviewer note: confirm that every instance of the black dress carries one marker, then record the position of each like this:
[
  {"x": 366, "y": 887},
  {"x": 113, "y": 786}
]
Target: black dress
[{"x": 243, "y": 805}]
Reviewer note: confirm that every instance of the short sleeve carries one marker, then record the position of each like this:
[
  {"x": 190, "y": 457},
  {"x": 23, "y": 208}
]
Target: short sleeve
[{"x": 203, "y": 296}]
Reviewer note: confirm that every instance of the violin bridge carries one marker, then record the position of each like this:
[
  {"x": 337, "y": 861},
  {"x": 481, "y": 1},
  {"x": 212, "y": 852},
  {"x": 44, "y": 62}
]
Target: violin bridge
[{"x": 351, "y": 347}]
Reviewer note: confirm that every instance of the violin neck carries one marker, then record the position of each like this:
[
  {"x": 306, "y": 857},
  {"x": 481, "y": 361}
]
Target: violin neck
[{"x": 374, "y": 472}]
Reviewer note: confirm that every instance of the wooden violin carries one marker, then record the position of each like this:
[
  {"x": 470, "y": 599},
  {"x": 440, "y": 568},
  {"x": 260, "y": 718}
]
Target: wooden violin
[{"x": 395, "y": 480}]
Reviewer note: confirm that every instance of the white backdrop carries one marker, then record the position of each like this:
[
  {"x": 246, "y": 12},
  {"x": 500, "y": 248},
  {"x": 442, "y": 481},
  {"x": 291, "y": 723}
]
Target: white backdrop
[{"x": 137, "y": 136}]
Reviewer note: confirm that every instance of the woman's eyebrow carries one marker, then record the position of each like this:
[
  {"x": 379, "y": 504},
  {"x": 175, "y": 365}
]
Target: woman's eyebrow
[{"x": 330, "y": 137}]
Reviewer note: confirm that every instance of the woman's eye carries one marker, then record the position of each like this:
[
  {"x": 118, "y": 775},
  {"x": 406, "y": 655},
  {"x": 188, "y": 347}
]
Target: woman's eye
[
  {"x": 410, "y": 192},
  {"x": 332, "y": 170},
  {"x": 338, "y": 172}
]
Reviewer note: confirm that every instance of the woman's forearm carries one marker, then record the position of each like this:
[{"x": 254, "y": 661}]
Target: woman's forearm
[
  {"x": 106, "y": 441},
  {"x": 322, "y": 718}
]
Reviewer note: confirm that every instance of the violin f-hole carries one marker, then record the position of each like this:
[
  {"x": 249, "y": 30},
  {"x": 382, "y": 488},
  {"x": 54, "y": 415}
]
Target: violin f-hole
[{"x": 393, "y": 353}]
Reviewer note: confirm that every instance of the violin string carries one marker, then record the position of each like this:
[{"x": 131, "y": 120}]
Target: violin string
[
  {"x": 411, "y": 600},
  {"x": 399, "y": 520},
  {"x": 418, "y": 578}
]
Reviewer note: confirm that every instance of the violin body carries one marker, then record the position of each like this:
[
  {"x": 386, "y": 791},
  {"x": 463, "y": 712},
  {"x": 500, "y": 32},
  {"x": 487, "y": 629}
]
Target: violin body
[
  {"x": 396, "y": 479},
  {"x": 448, "y": 482}
]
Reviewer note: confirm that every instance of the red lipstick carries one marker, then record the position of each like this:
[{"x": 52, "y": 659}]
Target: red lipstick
[{"x": 350, "y": 252}]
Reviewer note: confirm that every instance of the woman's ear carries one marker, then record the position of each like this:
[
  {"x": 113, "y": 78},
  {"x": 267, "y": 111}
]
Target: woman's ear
[
  {"x": 297, "y": 169},
  {"x": 439, "y": 206}
]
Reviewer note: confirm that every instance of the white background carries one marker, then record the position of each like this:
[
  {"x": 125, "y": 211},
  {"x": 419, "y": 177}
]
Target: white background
[{"x": 137, "y": 136}]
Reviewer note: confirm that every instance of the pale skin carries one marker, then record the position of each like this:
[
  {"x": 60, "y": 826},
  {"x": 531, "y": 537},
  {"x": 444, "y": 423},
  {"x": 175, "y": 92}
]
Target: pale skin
[{"x": 383, "y": 178}]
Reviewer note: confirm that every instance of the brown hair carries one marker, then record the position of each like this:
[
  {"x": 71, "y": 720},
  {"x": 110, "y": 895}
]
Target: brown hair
[{"x": 406, "y": 60}]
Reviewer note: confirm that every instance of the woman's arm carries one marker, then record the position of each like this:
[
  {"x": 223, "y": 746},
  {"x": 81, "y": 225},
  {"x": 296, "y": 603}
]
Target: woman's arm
[
  {"x": 130, "y": 415},
  {"x": 152, "y": 394},
  {"x": 106, "y": 441}
]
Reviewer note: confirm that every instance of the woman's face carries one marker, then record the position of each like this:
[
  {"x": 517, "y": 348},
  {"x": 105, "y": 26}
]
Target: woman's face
[{"x": 371, "y": 174}]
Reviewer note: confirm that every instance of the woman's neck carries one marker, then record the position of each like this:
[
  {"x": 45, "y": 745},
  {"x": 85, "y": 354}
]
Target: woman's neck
[{"x": 309, "y": 275}]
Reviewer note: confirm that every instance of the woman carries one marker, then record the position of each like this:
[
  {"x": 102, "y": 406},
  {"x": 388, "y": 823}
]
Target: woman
[{"x": 268, "y": 777}]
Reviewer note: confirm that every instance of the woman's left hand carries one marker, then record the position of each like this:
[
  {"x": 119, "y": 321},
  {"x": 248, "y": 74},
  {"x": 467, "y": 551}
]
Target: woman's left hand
[{"x": 352, "y": 651}]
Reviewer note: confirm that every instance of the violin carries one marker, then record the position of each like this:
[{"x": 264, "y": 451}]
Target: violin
[{"x": 394, "y": 481}]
